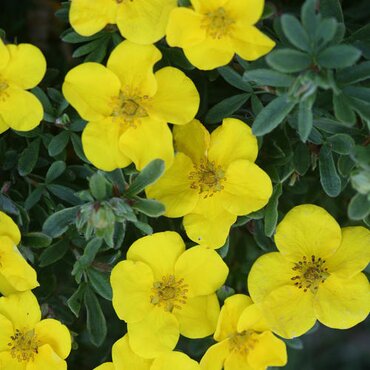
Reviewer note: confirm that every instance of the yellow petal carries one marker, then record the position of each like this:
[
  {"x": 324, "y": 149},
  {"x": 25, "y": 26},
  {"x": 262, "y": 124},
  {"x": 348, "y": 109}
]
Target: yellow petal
[
  {"x": 268, "y": 351},
  {"x": 198, "y": 317},
  {"x": 192, "y": 139},
  {"x": 246, "y": 12},
  {"x": 202, "y": 269},
  {"x": 175, "y": 360},
  {"x": 132, "y": 283},
  {"x": 247, "y": 188},
  {"x": 230, "y": 312},
  {"x": 6, "y": 332},
  {"x": 91, "y": 89},
  {"x": 353, "y": 255},
  {"x": 3, "y": 125},
  {"x": 231, "y": 141},
  {"x": 133, "y": 64},
  {"x": 158, "y": 333},
  {"x": 144, "y": 21},
  {"x": 21, "y": 309},
  {"x": 9, "y": 228},
  {"x": 209, "y": 224},
  {"x": 106, "y": 366},
  {"x": 249, "y": 42},
  {"x": 8, "y": 362},
  {"x": 269, "y": 272},
  {"x": 149, "y": 140},
  {"x": 100, "y": 141},
  {"x": 289, "y": 311},
  {"x": 46, "y": 359},
  {"x": 125, "y": 358},
  {"x": 204, "y": 6},
  {"x": 88, "y": 17},
  {"x": 160, "y": 251},
  {"x": 237, "y": 361},
  {"x": 53, "y": 333},
  {"x": 20, "y": 109},
  {"x": 184, "y": 28},
  {"x": 4, "y": 55},
  {"x": 215, "y": 356},
  {"x": 176, "y": 100},
  {"x": 252, "y": 319},
  {"x": 173, "y": 188},
  {"x": 343, "y": 303},
  {"x": 210, "y": 53},
  {"x": 307, "y": 230}
]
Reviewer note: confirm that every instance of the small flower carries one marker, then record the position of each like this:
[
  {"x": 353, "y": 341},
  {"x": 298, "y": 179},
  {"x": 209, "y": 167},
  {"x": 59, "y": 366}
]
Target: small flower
[
  {"x": 213, "y": 180},
  {"x": 315, "y": 275},
  {"x": 245, "y": 340},
  {"x": 161, "y": 290},
  {"x": 140, "y": 21},
  {"x": 26, "y": 341},
  {"x": 128, "y": 106},
  {"x": 22, "y": 67},
  {"x": 212, "y": 31},
  {"x": 16, "y": 275},
  {"x": 125, "y": 358}
]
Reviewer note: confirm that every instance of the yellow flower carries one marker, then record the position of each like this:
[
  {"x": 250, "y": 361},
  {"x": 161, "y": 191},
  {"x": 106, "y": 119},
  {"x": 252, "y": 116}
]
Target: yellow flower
[
  {"x": 245, "y": 340},
  {"x": 26, "y": 343},
  {"x": 161, "y": 290},
  {"x": 140, "y": 21},
  {"x": 128, "y": 106},
  {"x": 315, "y": 275},
  {"x": 212, "y": 180},
  {"x": 16, "y": 275},
  {"x": 125, "y": 358},
  {"x": 213, "y": 30},
  {"x": 22, "y": 67}
]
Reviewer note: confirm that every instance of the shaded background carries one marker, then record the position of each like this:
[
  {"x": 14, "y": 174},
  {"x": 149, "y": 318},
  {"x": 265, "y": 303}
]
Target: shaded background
[{"x": 34, "y": 21}]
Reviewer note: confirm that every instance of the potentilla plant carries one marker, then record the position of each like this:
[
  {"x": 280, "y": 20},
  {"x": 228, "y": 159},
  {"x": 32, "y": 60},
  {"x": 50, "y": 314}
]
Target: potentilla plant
[{"x": 185, "y": 185}]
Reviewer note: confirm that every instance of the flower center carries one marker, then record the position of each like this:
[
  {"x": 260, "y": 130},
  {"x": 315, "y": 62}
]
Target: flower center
[
  {"x": 243, "y": 342},
  {"x": 217, "y": 23},
  {"x": 311, "y": 273},
  {"x": 207, "y": 177},
  {"x": 169, "y": 293},
  {"x": 24, "y": 345},
  {"x": 128, "y": 110},
  {"x": 3, "y": 87}
]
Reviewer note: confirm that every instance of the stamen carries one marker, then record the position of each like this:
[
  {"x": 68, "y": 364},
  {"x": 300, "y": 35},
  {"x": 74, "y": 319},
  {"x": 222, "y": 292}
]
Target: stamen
[
  {"x": 3, "y": 87},
  {"x": 218, "y": 24},
  {"x": 24, "y": 345},
  {"x": 243, "y": 342}
]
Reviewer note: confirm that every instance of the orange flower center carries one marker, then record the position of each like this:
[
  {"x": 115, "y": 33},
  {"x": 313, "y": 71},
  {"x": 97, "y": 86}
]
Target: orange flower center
[
  {"x": 218, "y": 24},
  {"x": 169, "y": 293},
  {"x": 243, "y": 342},
  {"x": 24, "y": 345},
  {"x": 311, "y": 273},
  {"x": 207, "y": 177},
  {"x": 128, "y": 109}
]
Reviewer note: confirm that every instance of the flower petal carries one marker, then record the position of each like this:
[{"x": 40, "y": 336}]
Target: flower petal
[
  {"x": 9, "y": 228},
  {"x": 246, "y": 12},
  {"x": 236, "y": 361},
  {"x": 343, "y": 303},
  {"x": 91, "y": 89},
  {"x": 144, "y": 21},
  {"x": 247, "y": 188},
  {"x": 229, "y": 316},
  {"x": 46, "y": 359},
  {"x": 176, "y": 100},
  {"x": 133, "y": 64},
  {"x": 160, "y": 251},
  {"x": 149, "y": 140},
  {"x": 158, "y": 333},
  {"x": 20, "y": 109},
  {"x": 198, "y": 317},
  {"x": 100, "y": 141},
  {"x": 132, "y": 284},
  {"x": 3, "y": 125},
  {"x": 215, "y": 356},
  {"x": 202, "y": 269},
  {"x": 231, "y": 141},
  {"x": 53, "y": 333},
  {"x": 252, "y": 318},
  {"x": 307, "y": 230},
  {"x": 8, "y": 362},
  {"x": 184, "y": 28},
  {"x": 174, "y": 360},
  {"x": 4, "y": 55},
  {"x": 353, "y": 254},
  {"x": 204, "y": 6},
  {"x": 209, "y": 224},
  {"x": 6, "y": 332},
  {"x": 173, "y": 188},
  {"x": 107, "y": 366}
]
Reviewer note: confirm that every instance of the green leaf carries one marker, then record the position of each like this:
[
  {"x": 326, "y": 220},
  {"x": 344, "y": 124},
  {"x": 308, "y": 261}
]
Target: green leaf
[
  {"x": 34, "y": 197},
  {"x": 295, "y": 33},
  {"x": 329, "y": 177},
  {"x": 268, "y": 77},
  {"x": 338, "y": 56},
  {"x": 73, "y": 37},
  {"x": 100, "y": 283},
  {"x": 326, "y": 31},
  {"x": 271, "y": 211},
  {"x": 54, "y": 253},
  {"x": 89, "y": 47},
  {"x": 36, "y": 240},
  {"x": 55, "y": 170},
  {"x": 65, "y": 193},
  {"x": 226, "y": 108},
  {"x": 331, "y": 8},
  {"x": 295, "y": 343},
  {"x": 149, "y": 174},
  {"x": 305, "y": 118},
  {"x": 91, "y": 250},
  {"x": 76, "y": 299},
  {"x": 341, "y": 143},
  {"x": 358, "y": 92},
  {"x": 361, "y": 107},
  {"x": 44, "y": 99},
  {"x": 309, "y": 18},
  {"x": 302, "y": 158},
  {"x": 288, "y": 60},
  {"x": 149, "y": 207},
  {"x": 342, "y": 109},
  {"x": 272, "y": 115},
  {"x": 359, "y": 207},
  {"x": 96, "y": 323},
  {"x": 58, "y": 143},
  {"x": 98, "y": 186},
  {"x": 58, "y": 223},
  {"x": 29, "y": 157},
  {"x": 354, "y": 74},
  {"x": 234, "y": 78}
]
